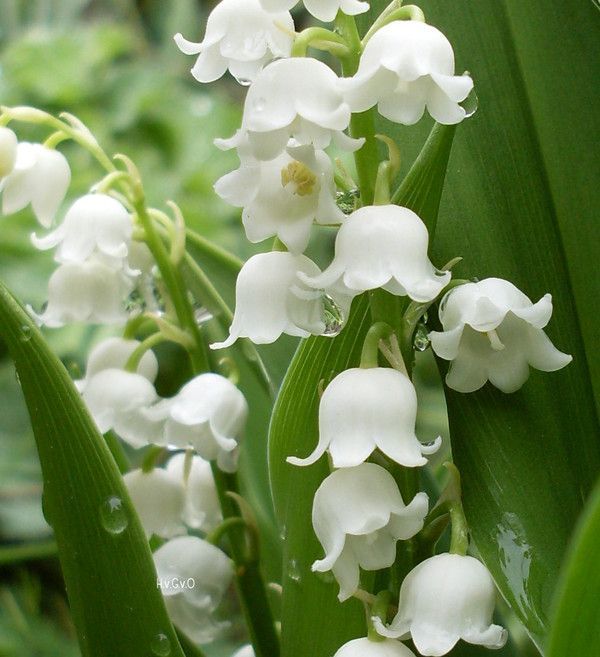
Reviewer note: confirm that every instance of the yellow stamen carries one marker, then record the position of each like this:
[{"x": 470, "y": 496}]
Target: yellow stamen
[{"x": 298, "y": 178}]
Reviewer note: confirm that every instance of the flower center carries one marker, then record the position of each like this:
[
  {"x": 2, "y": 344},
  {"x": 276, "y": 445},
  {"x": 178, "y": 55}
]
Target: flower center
[{"x": 298, "y": 179}]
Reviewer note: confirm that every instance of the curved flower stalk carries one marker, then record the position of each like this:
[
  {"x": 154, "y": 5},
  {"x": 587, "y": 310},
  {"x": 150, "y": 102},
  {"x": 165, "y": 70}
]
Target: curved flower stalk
[
  {"x": 240, "y": 36},
  {"x": 40, "y": 177},
  {"x": 492, "y": 331},
  {"x": 366, "y": 409},
  {"x": 324, "y": 10},
  {"x": 8, "y": 151},
  {"x": 282, "y": 197},
  {"x": 383, "y": 246},
  {"x": 358, "y": 516},
  {"x": 446, "y": 598},
  {"x": 408, "y": 66},
  {"x": 193, "y": 576},
  {"x": 369, "y": 648}
]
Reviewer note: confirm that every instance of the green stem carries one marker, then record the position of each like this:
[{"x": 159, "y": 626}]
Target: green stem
[
  {"x": 459, "y": 538},
  {"x": 370, "y": 352},
  {"x": 138, "y": 353},
  {"x": 322, "y": 39},
  {"x": 11, "y": 554},
  {"x": 226, "y": 526},
  {"x": 380, "y": 609},
  {"x": 217, "y": 253}
]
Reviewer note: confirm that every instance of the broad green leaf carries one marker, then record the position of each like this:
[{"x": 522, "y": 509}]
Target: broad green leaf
[{"x": 110, "y": 578}]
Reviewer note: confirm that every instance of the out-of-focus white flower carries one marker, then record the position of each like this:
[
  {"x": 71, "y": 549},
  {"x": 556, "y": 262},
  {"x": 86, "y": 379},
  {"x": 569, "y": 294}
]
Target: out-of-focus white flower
[
  {"x": 446, "y": 598},
  {"x": 208, "y": 414},
  {"x": 405, "y": 67},
  {"x": 271, "y": 300},
  {"x": 358, "y": 516},
  {"x": 492, "y": 331},
  {"x": 117, "y": 400},
  {"x": 297, "y": 98},
  {"x": 242, "y": 37},
  {"x": 8, "y": 151},
  {"x": 94, "y": 224},
  {"x": 324, "y": 10},
  {"x": 89, "y": 291},
  {"x": 383, "y": 246},
  {"x": 244, "y": 651},
  {"x": 365, "y": 409},
  {"x": 283, "y": 196},
  {"x": 159, "y": 501},
  {"x": 41, "y": 177},
  {"x": 193, "y": 576},
  {"x": 202, "y": 509},
  {"x": 367, "y": 648}
]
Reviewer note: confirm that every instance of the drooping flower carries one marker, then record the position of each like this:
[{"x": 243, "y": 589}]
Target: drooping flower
[
  {"x": 324, "y": 10},
  {"x": 8, "y": 151},
  {"x": 383, "y": 246},
  {"x": 358, "y": 516},
  {"x": 41, "y": 177},
  {"x": 407, "y": 66},
  {"x": 366, "y": 409},
  {"x": 94, "y": 224},
  {"x": 242, "y": 37},
  {"x": 446, "y": 598},
  {"x": 271, "y": 300},
  {"x": 492, "y": 331},
  {"x": 193, "y": 576},
  {"x": 368, "y": 648},
  {"x": 244, "y": 651},
  {"x": 208, "y": 414},
  {"x": 159, "y": 501},
  {"x": 202, "y": 509},
  {"x": 297, "y": 98},
  {"x": 283, "y": 196}
]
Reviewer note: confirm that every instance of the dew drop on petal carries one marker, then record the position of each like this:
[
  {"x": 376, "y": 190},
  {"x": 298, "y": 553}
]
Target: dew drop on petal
[
  {"x": 161, "y": 646},
  {"x": 333, "y": 317},
  {"x": 25, "y": 333},
  {"x": 113, "y": 516}
]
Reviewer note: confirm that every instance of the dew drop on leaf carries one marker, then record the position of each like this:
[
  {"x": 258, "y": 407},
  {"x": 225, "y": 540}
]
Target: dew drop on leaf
[
  {"x": 161, "y": 646},
  {"x": 333, "y": 317},
  {"x": 421, "y": 339},
  {"x": 293, "y": 571},
  {"x": 113, "y": 516},
  {"x": 25, "y": 333}
]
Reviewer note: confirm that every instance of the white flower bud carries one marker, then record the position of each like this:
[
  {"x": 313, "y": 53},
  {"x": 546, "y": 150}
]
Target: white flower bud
[
  {"x": 283, "y": 196},
  {"x": 244, "y": 651},
  {"x": 366, "y": 409},
  {"x": 159, "y": 501},
  {"x": 446, "y": 598},
  {"x": 405, "y": 67},
  {"x": 358, "y": 516},
  {"x": 367, "y": 648},
  {"x": 8, "y": 151},
  {"x": 324, "y": 10},
  {"x": 492, "y": 331},
  {"x": 383, "y": 246},
  {"x": 242, "y": 37},
  {"x": 193, "y": 576},
  {"x": 41, "y": 177}
]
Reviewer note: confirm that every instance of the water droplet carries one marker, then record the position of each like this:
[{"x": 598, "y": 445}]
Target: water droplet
[
  {"x": 470, "y": 104},
  {"x": 283, "y": 533},
  {"x": 346, "y": 201},
  {"x": 17, "y": 377},
  {"x": 293, "y": 571},
  {"x": 245, "y": 82},
  {"x": 26, "y": 333},
  {"x": 202, "y": 315},
  {"x": 161, "y": 646},
  {"x": 333, "y": 317},
  {"x": 113, "y": 516},
  {"x": 421, "y": 339}
]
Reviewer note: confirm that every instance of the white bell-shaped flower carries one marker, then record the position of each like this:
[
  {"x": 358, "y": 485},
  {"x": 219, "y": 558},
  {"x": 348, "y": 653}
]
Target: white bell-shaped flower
[
  {"x": 368, "y": 648},
  {"x": 89, "y": 291},
  {"x": 94, "y": 224},
  {"x": 358, "y": 516},
  {"x": 240, "y": 36},
  {"x": 383, "y": 246},
  {"x": 193, "y": 576},
  {"x": 208, "y": 414},
  {"x": 244, "y": 651},
  {"x": 492, "y": 331},
  {"x": 324, "y": 10},
  {"x": 117, "y": 400},
  {"x": 158, "y": 498},
  {"x": 446, "y": 598},
  {"x": 283, "y": 196},
  {"x": 297, "y": 98},
  {"x": 366, "y": 409},
  {"x": 407, "y": 66},
  {"x": 41, "y": 177},
  {"x": 8, "y": 151},
  {"x": 271, "y": 300},
  {"x": 202, "y": 509}
]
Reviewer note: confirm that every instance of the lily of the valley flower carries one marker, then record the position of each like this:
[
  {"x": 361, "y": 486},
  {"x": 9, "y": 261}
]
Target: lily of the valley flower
[
  {"x": 297, "y": 98},
  {"x": 8, "y": 151},
  {"x": 324, "y": 10},
  {"x": 492, "y": 331},
  {"x": 41, "y": 177},
  {"x": 159, "y": 501},
  {"x": 358, "y": 516},
  {"x": 242, "y": 37},
  {"x": 193, "y": 576},
  {"x": 405, "y": 67},
  {"x": 383, "y": 246},
  {"x": 368, "y": 648},
  {"x": 365, "y": 409},
  {"x": 208, "y": 414},
  {"x": 244, "y": 651},
  {"x": 446, "y": 598},
  {"x": 94, "y": 224},
  {"x": 283, "y": 196}
]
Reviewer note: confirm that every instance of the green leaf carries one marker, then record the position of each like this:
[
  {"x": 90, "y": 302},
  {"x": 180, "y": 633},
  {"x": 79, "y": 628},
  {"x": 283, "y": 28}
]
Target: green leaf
[
  {"x": 575, "y": 628},
  {"x": 106, "y": 561}
]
